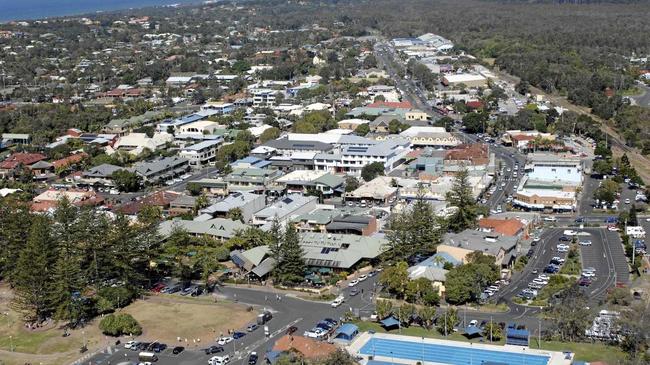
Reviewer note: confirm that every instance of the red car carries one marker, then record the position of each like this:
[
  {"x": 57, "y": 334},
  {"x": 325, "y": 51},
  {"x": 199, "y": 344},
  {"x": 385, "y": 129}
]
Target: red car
[{"x": 158, "y": 287}]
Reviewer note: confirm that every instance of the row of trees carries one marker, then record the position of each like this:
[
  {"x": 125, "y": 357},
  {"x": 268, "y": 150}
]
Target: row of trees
[{"x": 53, "y": 262}]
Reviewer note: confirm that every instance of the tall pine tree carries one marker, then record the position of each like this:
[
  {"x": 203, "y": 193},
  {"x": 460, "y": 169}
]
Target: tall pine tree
[
  {"x": 67, "y": 280},
  {"x": 32, "y": 286},
  {"x": 275, "y": 247},
  {"x": 461, "y": 197},
  {"x": 292, "y": 264},
  {"x": 14, "y": 217}
]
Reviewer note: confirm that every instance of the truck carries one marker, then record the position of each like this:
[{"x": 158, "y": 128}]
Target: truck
[{"x": 264, "y": 317}]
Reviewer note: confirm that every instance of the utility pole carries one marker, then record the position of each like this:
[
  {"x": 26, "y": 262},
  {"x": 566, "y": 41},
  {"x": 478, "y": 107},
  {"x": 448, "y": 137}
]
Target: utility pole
[{"x": 539, "y": 334}]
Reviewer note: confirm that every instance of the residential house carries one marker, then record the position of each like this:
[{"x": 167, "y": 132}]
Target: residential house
[
  {"x": 158, "y": 171},
  {"x": 13, "y": 162},
  {"x": 160, "y": 199},
  {"x": 48, "y": 200},
  {"x": 135, "y": 143},
  {"x": 184, "y": 204}
]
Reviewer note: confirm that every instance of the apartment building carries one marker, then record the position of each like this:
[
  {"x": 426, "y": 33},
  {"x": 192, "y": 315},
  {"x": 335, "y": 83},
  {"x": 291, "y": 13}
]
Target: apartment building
[
  {"x": 352, "y": 159},
  {"x": 200, "y": 154}
]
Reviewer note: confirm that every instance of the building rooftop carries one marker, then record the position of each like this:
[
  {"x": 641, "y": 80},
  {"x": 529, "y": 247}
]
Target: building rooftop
[
  {"x": 217, "y": 227},
  {"x": 285, "y": 206},
  {"x": 339, "y": 250},
  {"x": 507, "y": 227},
  {"x": 234, "y": 200},
  {"x": 201, "y": 145},
  {"x": 488, "y": 243}
]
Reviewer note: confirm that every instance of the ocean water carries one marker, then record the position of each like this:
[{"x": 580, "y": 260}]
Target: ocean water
[{"x": 38, "y": 9}]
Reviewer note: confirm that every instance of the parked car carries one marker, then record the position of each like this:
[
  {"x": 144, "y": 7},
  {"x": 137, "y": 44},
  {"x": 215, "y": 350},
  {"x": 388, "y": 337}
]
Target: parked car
[
  {"x": 172, "y": 289},
  {"x": 473, "y": 323},
  {"x": 177, "y": 350},
  {"x": 550, "y": 219},
  {"x": 291, "y": 330},
  {"x": 224, "y": 340},
  {"x": 363, "y": 277},
  {"x": 585, "y": 243},
  {"x": 158, "y": 287},
  {"x": 131, "y": 344},
  {"x": 331, "y": 321},
  {"x": 584, "y": 281},
  {"x": 213, "y": 350},
  {"x": 252, "y": 327},
  {"x": 565, "y": 239},
  {"x": 353, "y": 283},
  {"x": 238, "y": 335},
  {"x": 158, "y": 347},
  {"x": 354, "y": 292}
]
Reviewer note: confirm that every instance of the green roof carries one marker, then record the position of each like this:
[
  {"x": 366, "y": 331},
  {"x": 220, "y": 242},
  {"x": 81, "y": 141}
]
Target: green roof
[{"x": 330, "y": 180}]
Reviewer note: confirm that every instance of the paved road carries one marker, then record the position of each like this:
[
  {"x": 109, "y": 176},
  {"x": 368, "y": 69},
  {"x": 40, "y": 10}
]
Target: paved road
[{"x": 642, "y": 99}]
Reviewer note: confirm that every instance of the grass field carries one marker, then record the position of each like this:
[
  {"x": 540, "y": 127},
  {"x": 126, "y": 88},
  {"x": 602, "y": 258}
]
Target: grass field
[
  {"x": 166, "y": 317},
  {"x": 163, "y": 318}
]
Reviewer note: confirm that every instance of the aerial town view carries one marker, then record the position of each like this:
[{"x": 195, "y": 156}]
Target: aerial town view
[{"x": 331, "y": 182}]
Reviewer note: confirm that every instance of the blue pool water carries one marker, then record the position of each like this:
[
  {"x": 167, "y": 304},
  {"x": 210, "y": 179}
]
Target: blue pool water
[{"x": 447, "y": 354}]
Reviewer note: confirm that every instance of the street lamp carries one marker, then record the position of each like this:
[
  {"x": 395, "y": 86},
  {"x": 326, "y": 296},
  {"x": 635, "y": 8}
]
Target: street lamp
[{"x": 11, "y": 343}]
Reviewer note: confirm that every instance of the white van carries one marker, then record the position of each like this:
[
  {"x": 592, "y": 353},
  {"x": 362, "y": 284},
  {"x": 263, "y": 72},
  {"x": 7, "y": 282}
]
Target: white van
[
  {"x": 338, "y": 301},
  {"x": 147, "y": 356}
]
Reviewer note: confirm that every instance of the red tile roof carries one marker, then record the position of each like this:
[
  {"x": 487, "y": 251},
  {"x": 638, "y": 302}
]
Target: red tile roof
[
  {"x": 21, "y": 158},
  {"x": 158, "y": 199},
  {"x": 476, "y": 153},
  {"x": 70, "y": 160},
  {"x": 508, "y": 227},
  {"x": 391, "y": 104}
]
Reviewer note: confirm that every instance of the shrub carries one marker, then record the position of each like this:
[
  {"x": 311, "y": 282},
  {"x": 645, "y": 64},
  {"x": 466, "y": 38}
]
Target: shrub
[{"x": 120, "y": 324}]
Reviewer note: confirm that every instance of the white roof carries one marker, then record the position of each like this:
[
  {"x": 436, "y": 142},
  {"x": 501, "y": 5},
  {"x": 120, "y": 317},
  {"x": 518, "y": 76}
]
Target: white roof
[
  {"x": 257, "y": 131},
  {"x": 355, "y": 121},
  {"x": 464, "y": 78},
  {"x": 414, "y": 131},
  {"x": 301, "y": 175}
]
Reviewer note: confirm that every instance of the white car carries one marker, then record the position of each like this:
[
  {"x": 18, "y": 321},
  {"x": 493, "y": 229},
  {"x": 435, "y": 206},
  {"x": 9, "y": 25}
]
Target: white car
[
  {"x": 627, "y": 201},
  {"x": 550, "y": 219},
  {"x": 588, "y": 274},
  {"x": 131, "y": 344},
  {"x": 224, "y": 340},
  {"x": 219, "y": 360},
  {"x": 536, "y": 239},
  {"x": 315, "y": 333},
  {"x": 473, "y": 323},
  {"x": 353, "y": 283},
  {"x": 585, "y": 243},
  {"x": 338, "y": 301},
  {"x": 612, "y": 228},
  {"x": 363, "y": 277},
  {"x": 562, "y": 246}
]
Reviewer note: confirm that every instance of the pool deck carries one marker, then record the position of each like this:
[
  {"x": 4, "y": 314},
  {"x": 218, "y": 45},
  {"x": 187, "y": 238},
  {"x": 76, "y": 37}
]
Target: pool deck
[{"x": 555, "y": 357}]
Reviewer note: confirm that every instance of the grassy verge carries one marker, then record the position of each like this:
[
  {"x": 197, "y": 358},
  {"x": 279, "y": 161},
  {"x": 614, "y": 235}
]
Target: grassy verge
[
  {"x": 556, "y": 284},
  {"x": 572, "y": 266},
  {"x": 584, "y": 351}
]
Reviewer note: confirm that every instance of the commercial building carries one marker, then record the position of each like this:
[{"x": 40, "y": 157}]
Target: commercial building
[
  {"x": 284, "y": 209},
  {"x": 248, "y": 203},
  {"x": 200, "y": 154},
  {"x": 301, "y": 181},
  {"x": 217, "y": 228},
  {"x": 435, "y": 137},
  {"x": 459, "y": 245},
  {"x": 469, "y": 80},
  {"x": 559, "y": 170}
]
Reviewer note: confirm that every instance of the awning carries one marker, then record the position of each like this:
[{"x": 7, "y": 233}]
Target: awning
[
  {"x": 390, "y": 322},
  {"x": 472, "y": 331},
  {"x": 347, "y": 329}
]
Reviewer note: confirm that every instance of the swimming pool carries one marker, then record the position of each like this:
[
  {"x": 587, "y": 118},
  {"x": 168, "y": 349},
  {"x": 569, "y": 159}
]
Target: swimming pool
[{"x": 447, "y": 354}]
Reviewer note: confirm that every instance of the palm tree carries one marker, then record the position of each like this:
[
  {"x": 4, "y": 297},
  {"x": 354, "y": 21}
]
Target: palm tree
[
  {"x": 384, "y": 309},
  {"x": 427, "y": 314}
]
